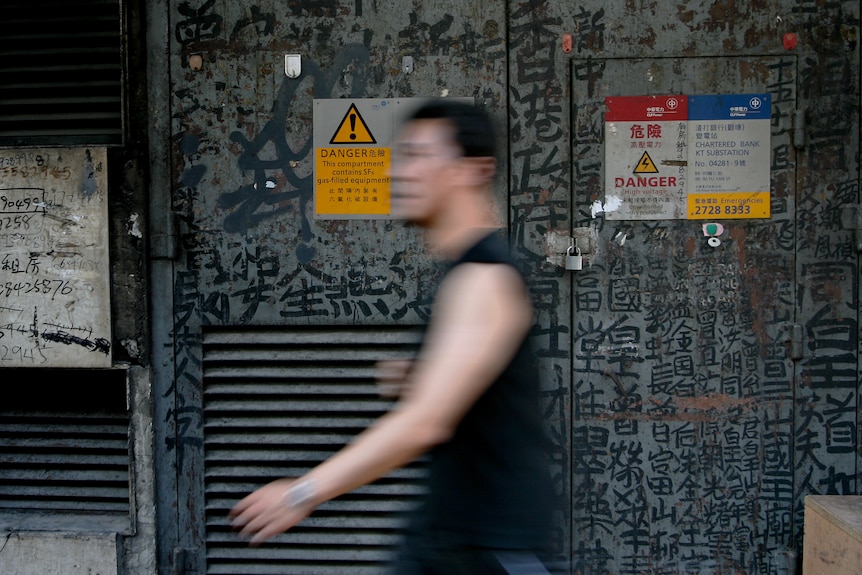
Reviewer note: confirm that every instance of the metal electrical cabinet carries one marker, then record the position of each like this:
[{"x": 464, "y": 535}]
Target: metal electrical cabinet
[
  {"x": 700, "y": 374},
  {"x": 684, "y": 384}
]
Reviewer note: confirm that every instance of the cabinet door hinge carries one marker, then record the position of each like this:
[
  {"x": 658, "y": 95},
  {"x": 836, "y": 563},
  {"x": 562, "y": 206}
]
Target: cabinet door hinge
[
  {"x": 795, "y": 337},
  {"x": 800, "y": 133}
]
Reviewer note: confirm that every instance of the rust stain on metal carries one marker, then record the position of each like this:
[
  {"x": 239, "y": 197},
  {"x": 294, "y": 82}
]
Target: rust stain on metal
[
  {"x": 759, "y": 278},
  {"x": 709, "y": 407},
  {"x": 716, "y": 402},
  {"x": 690, "y": 246}
]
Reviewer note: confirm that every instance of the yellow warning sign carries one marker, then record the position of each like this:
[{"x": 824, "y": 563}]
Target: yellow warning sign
[
  {"x": 352, "y": 181},
  {"x": 645, "y": 165},
  {"x": 352, "y": 129}
]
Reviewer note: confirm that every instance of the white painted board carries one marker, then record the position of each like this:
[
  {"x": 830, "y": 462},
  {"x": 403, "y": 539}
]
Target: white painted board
[{"x": 54, "y": 258}]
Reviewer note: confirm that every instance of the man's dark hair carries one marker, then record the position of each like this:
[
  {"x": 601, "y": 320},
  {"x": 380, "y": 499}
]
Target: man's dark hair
[{"x": 474, "y": 132}]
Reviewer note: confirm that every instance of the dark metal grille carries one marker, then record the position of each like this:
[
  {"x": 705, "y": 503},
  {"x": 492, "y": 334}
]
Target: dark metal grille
[
  {"x": 64, "y": 448},
  {"x": 276, "y": 403},
  {"x": 61, "y": 70}
]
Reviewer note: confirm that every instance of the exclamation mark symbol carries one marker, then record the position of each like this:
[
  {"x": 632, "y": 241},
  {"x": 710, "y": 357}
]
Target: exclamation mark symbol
[{"x": 352, "y": 126}]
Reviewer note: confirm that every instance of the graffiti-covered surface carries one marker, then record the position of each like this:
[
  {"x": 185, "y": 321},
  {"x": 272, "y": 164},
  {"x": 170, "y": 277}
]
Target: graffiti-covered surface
[
  {"x": 54, "y": 287},
  {"x": 252, "y": 251},
  {"x": 244, "y": 163},
  {"x": 683, "y": 379},
  {"x": 701, "y": 377}
]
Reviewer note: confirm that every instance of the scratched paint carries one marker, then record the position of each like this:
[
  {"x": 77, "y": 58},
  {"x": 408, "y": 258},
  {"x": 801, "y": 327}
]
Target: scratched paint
[{"x": 685, "y": 434}]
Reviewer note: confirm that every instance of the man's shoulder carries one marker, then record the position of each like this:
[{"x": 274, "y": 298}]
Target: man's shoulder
[
  {"x": 480, "y": 282},
  {"x": 490, "y": 248}
]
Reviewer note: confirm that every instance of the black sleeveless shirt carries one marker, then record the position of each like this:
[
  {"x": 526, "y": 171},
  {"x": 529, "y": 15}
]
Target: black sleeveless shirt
[{"x": 489, "y": 485}]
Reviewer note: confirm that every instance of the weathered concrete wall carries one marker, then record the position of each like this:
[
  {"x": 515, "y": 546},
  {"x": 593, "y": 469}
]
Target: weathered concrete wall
[
  {"x": 49, "y": 553},
  {"x": 697, "y": 394}
]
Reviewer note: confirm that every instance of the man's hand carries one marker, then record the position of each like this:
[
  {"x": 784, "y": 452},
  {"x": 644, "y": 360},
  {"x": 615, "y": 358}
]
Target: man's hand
[{"x": 272, "y": 509}]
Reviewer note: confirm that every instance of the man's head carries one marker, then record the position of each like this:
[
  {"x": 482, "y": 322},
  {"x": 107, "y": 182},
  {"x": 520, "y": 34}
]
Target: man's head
[
  {"x": 444, "y": 159},
  {"x": 472, "y": 128}
]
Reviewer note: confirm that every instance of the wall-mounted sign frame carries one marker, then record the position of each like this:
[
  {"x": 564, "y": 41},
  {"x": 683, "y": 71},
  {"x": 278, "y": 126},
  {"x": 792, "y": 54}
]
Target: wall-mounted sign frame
[
  {"x": 687, "y": 157},
  {"x": 353, "y": 141}
]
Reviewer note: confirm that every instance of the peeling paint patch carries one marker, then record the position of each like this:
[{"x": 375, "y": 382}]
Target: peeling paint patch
[
  {"x": 611, "y": 204},
  {"x": 132, "y": 348},
  {"x": 133, "y": 226}
]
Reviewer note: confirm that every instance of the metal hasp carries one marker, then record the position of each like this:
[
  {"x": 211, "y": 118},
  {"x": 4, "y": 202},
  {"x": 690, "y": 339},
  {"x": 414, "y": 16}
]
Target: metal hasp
[{"x": 560, "y": 245}]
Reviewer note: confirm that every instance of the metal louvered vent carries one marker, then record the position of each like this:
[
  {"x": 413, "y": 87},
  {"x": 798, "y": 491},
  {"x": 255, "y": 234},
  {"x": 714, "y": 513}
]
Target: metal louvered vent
[
  {"x": 61, "y": 64},
  {"x": 276, "y": 403},
  {"x": 64, "y": 449}
]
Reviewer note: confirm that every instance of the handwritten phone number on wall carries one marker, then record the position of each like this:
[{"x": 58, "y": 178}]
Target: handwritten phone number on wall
[
  {"x": 20, "y": 354},
  {"x": 45, "y": 287},
  {"x": 15, "y": 223},
  {"x": 56, "y": 172},
  {"x": 22, "y": 205}
]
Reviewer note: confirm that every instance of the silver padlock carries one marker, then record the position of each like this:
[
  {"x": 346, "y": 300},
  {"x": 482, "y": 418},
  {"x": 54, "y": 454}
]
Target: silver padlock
[{"x": 574, "y": 259}]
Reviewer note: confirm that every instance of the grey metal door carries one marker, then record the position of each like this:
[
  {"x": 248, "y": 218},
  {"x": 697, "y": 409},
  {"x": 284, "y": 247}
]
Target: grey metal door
[{"x": 683, "y": 380}]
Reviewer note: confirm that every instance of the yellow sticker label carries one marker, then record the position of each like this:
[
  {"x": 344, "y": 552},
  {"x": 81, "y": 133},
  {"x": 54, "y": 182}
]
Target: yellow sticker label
[
  {"x": 352, "y": 181},
  {"x": 731, "y": 206}
]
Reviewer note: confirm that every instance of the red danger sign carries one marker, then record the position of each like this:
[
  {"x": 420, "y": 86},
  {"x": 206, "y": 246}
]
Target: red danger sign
[{"x": 645, "y": 154}]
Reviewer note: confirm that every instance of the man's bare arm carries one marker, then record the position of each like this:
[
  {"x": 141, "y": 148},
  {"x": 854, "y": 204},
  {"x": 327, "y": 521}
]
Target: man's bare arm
[{"x": 480, "y": 318}]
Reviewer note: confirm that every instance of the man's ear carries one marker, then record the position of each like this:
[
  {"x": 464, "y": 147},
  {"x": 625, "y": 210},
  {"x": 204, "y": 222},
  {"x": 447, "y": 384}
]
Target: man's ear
[{"x": 482, "y": 170}]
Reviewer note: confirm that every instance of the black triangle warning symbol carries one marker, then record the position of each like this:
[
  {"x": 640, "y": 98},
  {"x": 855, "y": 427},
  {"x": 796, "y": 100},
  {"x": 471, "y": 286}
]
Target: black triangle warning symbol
[
  {"x": 352, "y": 129},
  {"x": 645, "y": 165}
]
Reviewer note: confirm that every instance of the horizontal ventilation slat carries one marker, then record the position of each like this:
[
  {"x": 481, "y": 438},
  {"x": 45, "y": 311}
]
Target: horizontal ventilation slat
[
  {"x": 328, "y": 337},
  {"x": 114, "y": 509},
  {"x": 348, "y": 552},
  {"x": 294, "y": 370},
  {"x": 247, "y": 387},
  {"x": 62, "y": 69},
  {"x": 357, "y": 405},
  {"x": 404, "y": 484},
  {"x": 81, "y": 497},
  {"x": 278, "y": 401},
  {"x": 10, "y": 427},
  {"x": 78, "y": 474},
  {"x": 227, "y": 474},
  {"x": 323, "y": 523},
  {"x": 295, "y": 419},
  {"x": 313, "y": 568},
  {"x": 76, "y": 89},
  {"x": 24, "y": 460},
  {"x": 64, "y": 449},
  {"x": 259, "y": 353}
]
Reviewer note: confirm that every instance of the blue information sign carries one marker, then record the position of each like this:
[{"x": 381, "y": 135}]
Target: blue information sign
[{"x": 729, "y": 156}]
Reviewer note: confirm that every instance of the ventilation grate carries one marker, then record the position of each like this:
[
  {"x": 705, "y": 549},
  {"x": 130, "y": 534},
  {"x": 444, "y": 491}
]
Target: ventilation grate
[
  {"x": 278, "y": 402},
  {"x": 61, "y": 64},
  {"x": 64, "y": 448}
]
